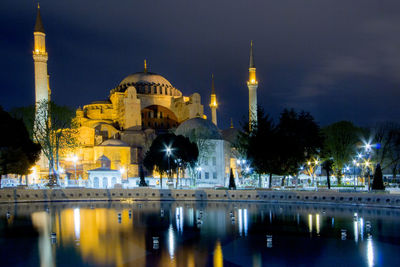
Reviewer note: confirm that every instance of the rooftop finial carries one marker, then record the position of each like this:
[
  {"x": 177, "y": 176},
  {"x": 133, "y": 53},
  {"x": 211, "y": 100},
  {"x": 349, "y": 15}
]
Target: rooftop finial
[
  {"x": 231, "y": 123},
  {"x": 145, "y": 66},
  {"x": 252, "y": 64},
  {"x": 38, "y": 5},
  {"x": 212, "y": 85}
]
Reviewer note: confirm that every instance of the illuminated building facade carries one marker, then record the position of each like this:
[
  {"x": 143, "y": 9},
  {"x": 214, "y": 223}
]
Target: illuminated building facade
[{"x": 123, "y": 126}]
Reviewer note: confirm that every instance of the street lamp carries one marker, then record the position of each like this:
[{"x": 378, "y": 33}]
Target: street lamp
[
  {"x": 354, "y": 173},
  {"x": 168, "y": 150}
]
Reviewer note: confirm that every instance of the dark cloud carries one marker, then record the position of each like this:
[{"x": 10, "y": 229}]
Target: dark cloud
[{"x": 338, "y": 60}]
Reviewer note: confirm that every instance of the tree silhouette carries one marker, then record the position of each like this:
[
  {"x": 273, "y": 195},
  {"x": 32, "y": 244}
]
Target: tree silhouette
[
  {"x": 377, "y": 184},
  {"x": 232, "y": 185},
  {"x": 327, "y": 166},
  {"x": 17, "y": 151}
]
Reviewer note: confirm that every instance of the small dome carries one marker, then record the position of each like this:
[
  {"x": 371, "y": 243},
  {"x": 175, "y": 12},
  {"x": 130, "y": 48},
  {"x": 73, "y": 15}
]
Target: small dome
[
  {"x": 199, "y": 127},
  {"x": 114, "y": 142},
  {"x": 231, "y": 135},
  {"x": 145, "y": 78}
]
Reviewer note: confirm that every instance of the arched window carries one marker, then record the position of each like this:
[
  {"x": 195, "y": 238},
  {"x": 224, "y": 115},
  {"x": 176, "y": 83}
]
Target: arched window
[
  {"x": 113, "y": 181},
  {"x": 96, "y": 182},
  {"x": 105, "y": 182}
]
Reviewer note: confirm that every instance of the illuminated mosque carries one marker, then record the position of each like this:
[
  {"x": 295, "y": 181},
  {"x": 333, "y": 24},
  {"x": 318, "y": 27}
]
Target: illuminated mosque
[{"x": 143, "y": 105}]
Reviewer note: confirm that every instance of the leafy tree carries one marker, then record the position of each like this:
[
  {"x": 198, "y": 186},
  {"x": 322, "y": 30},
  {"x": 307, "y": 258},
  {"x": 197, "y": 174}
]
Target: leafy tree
[
  {"x": 340, "y": 140},
  {"x": 17, "y": 151},
  {"x": 54, "y": 129},
  {"x": 183, "y": 153},
  {"x": 377, "y": 184},
  {"x": 232, "y": 185},
  {"x": 299, "y": 138},
  {"x": 280, "y": 149},
  {"x": 261, "y": 146}
]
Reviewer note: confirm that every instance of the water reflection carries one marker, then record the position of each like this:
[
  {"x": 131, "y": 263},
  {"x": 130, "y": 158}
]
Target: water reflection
[
  {"x": 99, "y": 236},
  {"x": 41, "y": 221},
  {"x": 171, "y": 241},
  {"x": 243, "y": 221},
  {"x": 218, "y": 256},
  {"x": 370, "y": 251}
]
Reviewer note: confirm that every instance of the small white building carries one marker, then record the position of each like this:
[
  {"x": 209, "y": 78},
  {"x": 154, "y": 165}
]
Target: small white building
[
  {"x": 214, "y": 152},
  {"x": 104, "y": 177}
]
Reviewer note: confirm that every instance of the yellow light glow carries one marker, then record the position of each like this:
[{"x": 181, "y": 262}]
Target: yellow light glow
[{"x": 218, "y": 256}]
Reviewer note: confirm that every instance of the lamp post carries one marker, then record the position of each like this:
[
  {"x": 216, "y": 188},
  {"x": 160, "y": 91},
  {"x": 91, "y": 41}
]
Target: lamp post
[
  {"x": 168, "y": 150},
  {"x": 368, "y": 149},
  {"x": 354, "y": 173}
]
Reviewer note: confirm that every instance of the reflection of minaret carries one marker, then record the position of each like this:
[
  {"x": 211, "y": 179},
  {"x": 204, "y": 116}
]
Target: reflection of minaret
[
  {"x": 42, "y": 91},
  {"x": 252, "y": 84},
  {"x": 213, "y": 102}
]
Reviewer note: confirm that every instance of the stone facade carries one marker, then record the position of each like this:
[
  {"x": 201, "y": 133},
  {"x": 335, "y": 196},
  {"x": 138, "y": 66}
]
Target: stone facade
[{"x": 123, "y": 126}]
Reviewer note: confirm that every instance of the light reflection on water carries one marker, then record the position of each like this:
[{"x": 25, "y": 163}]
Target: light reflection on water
[{"x": 99, "y": 236}]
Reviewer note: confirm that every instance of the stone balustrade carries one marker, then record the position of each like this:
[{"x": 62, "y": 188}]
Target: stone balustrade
[{"x": 381, "y": 199}]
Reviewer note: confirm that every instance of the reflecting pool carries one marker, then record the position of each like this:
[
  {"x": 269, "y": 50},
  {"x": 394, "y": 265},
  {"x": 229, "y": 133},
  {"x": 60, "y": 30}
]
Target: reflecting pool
[{"x": 197, "y": 234}]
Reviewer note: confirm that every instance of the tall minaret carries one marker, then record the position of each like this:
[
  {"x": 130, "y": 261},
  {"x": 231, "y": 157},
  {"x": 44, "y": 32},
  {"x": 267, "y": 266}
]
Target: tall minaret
[
  {"x": 213, "y": 102},
  {"x": 42, "y": 91},
  {"x": 252, "y": 84}
]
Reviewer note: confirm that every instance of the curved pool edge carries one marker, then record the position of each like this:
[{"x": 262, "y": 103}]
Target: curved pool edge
[{"x": 361, "y": 199}]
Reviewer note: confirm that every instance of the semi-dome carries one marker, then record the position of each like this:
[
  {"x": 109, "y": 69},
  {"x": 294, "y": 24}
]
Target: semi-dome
[
  {"x": 145, "y": 78},
  {"x": 114, "y": 142},
  {"x": 199, "y": 128}
]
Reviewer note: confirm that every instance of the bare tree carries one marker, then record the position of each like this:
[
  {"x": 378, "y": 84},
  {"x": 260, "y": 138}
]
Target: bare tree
[
  {"x": 387, "y": 148},
  {"x": 55, "y": 131}
]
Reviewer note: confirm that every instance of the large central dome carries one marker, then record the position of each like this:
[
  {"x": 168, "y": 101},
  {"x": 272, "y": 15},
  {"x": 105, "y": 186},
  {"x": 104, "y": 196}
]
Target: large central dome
[{"x": 145, "y": 78}]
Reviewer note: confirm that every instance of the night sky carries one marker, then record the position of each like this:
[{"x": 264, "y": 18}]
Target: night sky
[{"x": 340, "y": 60}]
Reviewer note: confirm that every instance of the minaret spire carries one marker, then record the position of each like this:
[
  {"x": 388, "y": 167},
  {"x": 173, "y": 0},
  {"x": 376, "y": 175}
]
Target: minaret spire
[
  {"x": 213, "y": 102},
  {"x": 212, "y": 84},
  {"x": 40, "y": 57},
  {"x": 231, "y": 123},
  {"x": 251, "y": 62},
  {"x": 252, "y": 84},
  {"x": 39, "y": 24}
]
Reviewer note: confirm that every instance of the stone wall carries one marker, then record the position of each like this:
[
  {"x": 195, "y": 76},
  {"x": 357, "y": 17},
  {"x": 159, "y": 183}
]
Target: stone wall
[{"x": 13, "y": 195}]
